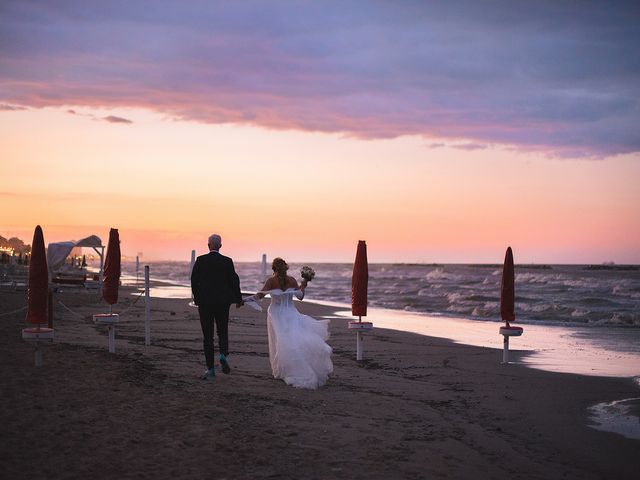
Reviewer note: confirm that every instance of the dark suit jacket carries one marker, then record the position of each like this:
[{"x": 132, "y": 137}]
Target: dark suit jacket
[{"x": 214, "y": 280}]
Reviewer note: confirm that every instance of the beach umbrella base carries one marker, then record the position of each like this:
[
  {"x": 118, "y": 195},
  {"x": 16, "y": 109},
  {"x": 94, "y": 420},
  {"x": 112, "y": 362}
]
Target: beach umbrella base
[
  {"x": 360, "y": 328},
  {"x": 110, "y": 320},
  {"x": 507, "y": 332},
  {"x": 39, "y": 336}
]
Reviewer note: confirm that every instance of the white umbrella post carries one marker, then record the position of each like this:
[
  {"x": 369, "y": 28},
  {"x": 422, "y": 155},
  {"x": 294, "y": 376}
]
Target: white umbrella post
[
  {"x": 112, "y": 338},
  {"x": 38, "y": 336},
  {"x": 147, "y": 307},
  {"x": 192, "y": 303},
  {"x": 360, "y": 327},
  {"x": 506, "y": 332},
  {"x": 110, "y": 320}
]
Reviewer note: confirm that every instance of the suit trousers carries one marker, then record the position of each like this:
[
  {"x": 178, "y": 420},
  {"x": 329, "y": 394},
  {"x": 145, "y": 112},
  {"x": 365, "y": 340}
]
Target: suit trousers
[{"x": 214, "y": 317}]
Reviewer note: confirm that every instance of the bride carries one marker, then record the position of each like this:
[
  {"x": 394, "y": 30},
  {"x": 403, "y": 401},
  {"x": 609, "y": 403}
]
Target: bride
[{"x": 298, "y": 352}]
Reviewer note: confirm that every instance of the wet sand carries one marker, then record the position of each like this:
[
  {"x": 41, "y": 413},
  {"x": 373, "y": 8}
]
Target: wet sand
[{"x": 417, "y": 407}]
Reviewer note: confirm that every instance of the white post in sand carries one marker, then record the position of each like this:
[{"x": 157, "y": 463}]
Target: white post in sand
[
  {"x": 147, "y": 307},
  {"x": 360, "y": 327},
  {"x": 193, "y": 262},
  {"x": 112, "y": 339},
  {"x": 506, "y": 332},
  {"x": 505, "y": 349},
  {"x": 38, "y": 336},
  {"x": 112, "y": 333},
  {"x": 110, "y": 320}
]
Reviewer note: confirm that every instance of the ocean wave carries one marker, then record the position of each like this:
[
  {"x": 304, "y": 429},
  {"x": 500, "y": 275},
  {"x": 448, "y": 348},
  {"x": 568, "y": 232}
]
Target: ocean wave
[
  {"x": 484, "y": 312},
  {"x": 454, "y": 297},
  {"x": 479, "y": 297},
  {"x": 440, "y": 274},
  {"x": 598, "y": 302},
  {"x": 460, "y": 309},
  {"x": 564, "y": 295},
  {"x": 618, "y": 319},
  {"x": 577, "y": 283},
  {"x": 539, "y": 278},
  {"x": 623, "y": 289},
  {"x": 537, "y": 308}
]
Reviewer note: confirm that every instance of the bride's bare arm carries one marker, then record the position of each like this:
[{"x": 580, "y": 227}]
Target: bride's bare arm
[
  {"x": 300, "y": 288},
  {"x": 268, "y": 285}
]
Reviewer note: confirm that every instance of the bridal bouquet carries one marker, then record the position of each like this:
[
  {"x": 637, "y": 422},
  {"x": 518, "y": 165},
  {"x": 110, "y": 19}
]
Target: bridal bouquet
[{"x": 307, "y": 273}]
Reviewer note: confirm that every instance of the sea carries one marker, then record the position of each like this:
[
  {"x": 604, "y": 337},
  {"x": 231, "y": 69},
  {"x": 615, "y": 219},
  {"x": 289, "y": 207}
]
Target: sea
[
  {"x": 579, "y": 319},
  {"x": 583, "y": 295}
]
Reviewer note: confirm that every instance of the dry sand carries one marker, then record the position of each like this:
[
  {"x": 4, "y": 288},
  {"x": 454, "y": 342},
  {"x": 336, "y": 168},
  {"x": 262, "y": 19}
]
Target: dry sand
[{"x": 417, "y": 407}]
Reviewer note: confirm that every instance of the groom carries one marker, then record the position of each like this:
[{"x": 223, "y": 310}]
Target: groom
[{"x": 215, "y": 286}]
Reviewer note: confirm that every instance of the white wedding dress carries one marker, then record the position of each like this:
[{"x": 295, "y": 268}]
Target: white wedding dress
[{"x": 298, "y": 351}]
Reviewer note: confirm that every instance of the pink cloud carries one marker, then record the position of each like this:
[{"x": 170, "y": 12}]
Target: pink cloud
[
  {"x": 114, "y": 119},
  {"x": 499, "y": 74},
  {"x": 470, "y": 146},
  {"x": 11, "y": 108}
]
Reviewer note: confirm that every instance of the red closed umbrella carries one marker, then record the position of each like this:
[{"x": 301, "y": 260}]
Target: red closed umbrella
[
  {"x": 112, "y": 268},
  {"x": 38, "y": 296},
  {"x": 360, "y": 281},
  {"x": 507, "y": 289},
  {"x": 38, "y": 289}
]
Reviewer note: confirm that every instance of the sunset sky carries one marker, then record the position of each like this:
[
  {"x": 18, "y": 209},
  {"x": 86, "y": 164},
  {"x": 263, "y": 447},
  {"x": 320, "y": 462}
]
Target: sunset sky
[{"x": 435, "y": 131}]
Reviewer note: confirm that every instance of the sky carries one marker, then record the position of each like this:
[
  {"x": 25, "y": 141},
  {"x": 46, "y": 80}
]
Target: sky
[{"x": 436, "y": 131}]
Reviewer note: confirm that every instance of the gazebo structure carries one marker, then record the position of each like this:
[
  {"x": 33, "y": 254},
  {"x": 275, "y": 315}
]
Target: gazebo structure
[{"x": 58, "y": 252}]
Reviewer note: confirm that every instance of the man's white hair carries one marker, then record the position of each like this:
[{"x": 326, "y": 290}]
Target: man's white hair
[{"x": 215, "y": 241}]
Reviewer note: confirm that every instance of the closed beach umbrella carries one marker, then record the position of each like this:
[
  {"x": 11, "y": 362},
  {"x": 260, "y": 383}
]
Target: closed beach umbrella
[
  {"x": 360, "y": 281},
  {"x": 38, "y": 289},
  {"x": 507, "y": 289},
  {"x": 112, "y": 268}
]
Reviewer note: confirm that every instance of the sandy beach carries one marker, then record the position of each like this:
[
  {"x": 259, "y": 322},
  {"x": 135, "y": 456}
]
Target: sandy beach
[{"x": 417, "y": 407}]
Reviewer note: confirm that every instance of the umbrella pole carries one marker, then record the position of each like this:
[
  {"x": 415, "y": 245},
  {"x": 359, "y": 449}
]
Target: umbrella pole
[
  {"x": 359, "y": 342},
  {"x": 112, "y": 334},
  {"x": 505, "y": 351},
  {"x": 147, "y": 307}
]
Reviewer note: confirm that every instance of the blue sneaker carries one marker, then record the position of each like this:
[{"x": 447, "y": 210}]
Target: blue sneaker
[
  {"x": 210, "y": 373},
  {"x": 226, "y": 369}
]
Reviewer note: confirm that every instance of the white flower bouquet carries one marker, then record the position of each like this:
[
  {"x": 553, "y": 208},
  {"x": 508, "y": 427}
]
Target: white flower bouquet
[{"x": 307, "y": 273}]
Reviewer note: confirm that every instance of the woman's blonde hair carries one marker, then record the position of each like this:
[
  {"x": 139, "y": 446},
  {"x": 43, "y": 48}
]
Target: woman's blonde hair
[{"x": 280, "y": 267}]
